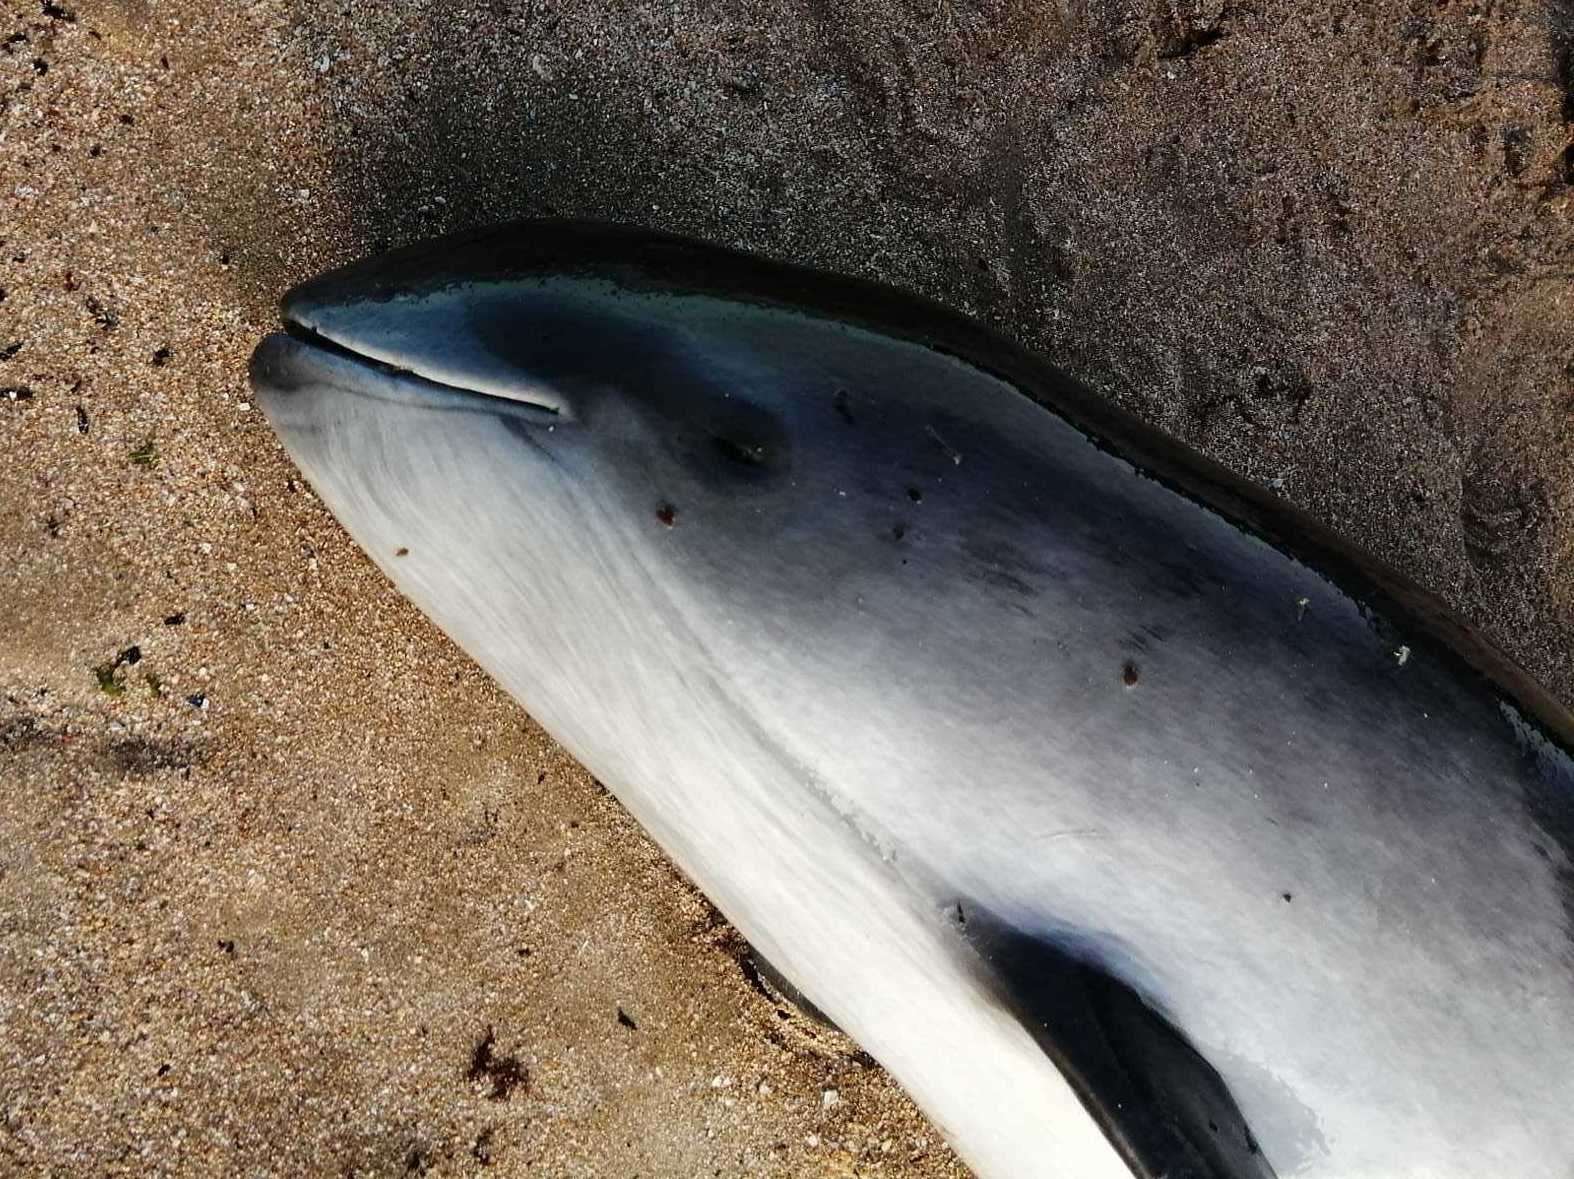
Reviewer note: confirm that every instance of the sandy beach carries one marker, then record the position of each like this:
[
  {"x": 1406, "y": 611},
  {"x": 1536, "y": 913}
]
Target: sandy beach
[{"x": 286, "y": 885}]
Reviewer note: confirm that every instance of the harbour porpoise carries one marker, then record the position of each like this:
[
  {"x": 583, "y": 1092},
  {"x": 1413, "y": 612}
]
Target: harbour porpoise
[{"x": 1136, "y": 824}]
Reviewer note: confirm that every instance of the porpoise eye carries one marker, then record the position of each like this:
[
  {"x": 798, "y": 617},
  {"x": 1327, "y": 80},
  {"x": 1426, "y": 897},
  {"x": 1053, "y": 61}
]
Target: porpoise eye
[
  {"x": 742, "y": 451},
  {"x": 733, "y": 445}
]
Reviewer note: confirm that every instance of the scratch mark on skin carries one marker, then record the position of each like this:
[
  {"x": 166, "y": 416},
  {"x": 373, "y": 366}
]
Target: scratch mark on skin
[{"x": 950, "y": 452}]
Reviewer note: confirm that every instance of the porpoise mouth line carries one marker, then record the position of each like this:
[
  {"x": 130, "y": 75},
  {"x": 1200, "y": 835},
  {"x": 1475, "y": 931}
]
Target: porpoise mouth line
[{"x": 312, "y": 337}]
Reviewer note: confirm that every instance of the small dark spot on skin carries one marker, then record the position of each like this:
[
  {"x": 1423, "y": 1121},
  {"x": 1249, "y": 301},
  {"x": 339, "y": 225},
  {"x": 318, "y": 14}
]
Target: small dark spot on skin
[
  {"x": 82, "y": 424},
  {"x": 227, "y": 945},
  {"x": 1129, "y": 675},
  {"x": 667, "y": 514},
  {"x": 844, "y": 409},
  {"x": 401, "y": 551},
  {"x": 175, "y": 619},
  {"x": 627, "y": 1020},
  {"x": 915, "y": 495},
  {"x": 1288, "y": 897},
  {"x": 503, "y": 1073},
  {"x": 898, "y": 532},
  {"x": 961, "y": 917},
  {"x": 161, "y": 357}
]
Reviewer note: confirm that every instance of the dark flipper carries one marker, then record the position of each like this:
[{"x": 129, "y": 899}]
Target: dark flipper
[{"x": 1162, "y": 1106}]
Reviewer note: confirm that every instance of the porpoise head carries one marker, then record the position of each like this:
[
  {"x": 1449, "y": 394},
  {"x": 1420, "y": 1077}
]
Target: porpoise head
[
  {"x": 632, "y": 430},
  {"x": 646, "y": 484}
]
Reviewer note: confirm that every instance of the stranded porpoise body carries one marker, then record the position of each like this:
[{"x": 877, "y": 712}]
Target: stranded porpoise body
[{"x": 1133, "y": 822}]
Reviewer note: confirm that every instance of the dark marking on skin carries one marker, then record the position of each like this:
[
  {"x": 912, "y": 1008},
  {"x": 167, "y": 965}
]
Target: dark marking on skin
[
  {"x": 1161, "y": 1104},
  {"x": 843, "y": 406},
  {"x": 667, "y": 514},
  {"x": 1006, "y": 581},
  {"x": 898, "y": 531},
  {"x": 1184, "y": 580},
  {"x": 1142, "y": 639},
  {"x": 915, "y": 495},
  {"x": 401, "y": 551},
  {"x": 1005, "y": 565},
  {"x": 1129, "y": 675},
  {"x": 1288, "y": 897}
]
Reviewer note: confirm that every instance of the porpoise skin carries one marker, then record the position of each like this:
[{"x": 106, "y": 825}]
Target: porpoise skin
[{"x": 1136, "y": 824}]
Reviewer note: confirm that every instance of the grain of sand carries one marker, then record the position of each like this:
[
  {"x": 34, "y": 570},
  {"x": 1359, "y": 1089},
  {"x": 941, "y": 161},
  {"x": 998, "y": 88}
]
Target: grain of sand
[{"x": 286, "y": 886}]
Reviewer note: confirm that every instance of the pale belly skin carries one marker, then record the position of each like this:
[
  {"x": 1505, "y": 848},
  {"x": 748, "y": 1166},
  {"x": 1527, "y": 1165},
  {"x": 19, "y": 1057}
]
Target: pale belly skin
[{"x": 926, "y": 661}]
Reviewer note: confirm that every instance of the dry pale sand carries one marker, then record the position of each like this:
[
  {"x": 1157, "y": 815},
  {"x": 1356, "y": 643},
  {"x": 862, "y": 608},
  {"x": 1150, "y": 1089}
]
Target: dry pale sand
[{"x": 285, "y": 885}]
